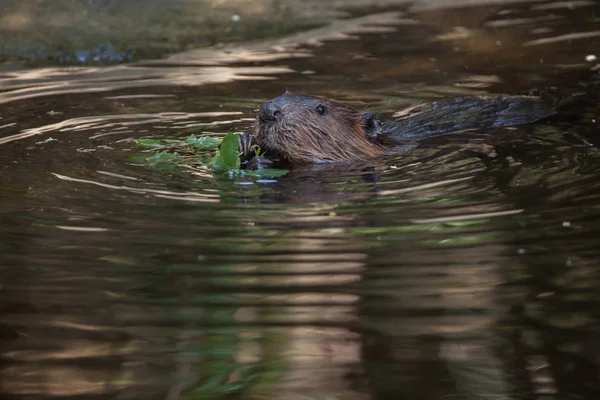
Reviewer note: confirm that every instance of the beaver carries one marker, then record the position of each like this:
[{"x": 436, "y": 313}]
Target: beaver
[{"x": 295, "y": 129}]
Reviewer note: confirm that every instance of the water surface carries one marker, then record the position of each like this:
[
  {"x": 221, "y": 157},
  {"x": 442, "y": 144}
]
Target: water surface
[{"x": 465, "y": 268}]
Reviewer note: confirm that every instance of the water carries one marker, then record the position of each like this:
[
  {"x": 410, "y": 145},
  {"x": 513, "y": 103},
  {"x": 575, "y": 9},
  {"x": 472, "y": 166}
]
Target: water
[{"x": 465, "y": 268}]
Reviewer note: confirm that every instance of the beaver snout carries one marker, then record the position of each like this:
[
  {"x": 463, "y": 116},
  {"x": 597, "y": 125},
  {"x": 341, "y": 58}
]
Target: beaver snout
[{"x": 269, "y": 111}]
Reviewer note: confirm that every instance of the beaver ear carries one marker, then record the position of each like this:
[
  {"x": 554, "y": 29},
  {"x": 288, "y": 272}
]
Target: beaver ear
[{"x": 371, "y": 125}]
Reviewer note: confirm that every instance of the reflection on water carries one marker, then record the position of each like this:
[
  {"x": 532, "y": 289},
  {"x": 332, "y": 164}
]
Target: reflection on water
[{"x": 464, "y": 268}]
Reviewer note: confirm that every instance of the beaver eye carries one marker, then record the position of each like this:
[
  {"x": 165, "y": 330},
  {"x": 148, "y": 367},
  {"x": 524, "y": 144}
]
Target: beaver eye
[{"x": 321, "y": 109}]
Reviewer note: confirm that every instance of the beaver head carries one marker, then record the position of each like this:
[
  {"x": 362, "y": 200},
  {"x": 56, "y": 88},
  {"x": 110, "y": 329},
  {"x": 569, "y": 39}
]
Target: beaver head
[{"x": 305, "y": 129}]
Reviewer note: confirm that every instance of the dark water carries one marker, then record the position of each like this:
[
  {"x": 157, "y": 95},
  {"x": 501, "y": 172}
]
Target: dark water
[{"x": 466, "y": 268}]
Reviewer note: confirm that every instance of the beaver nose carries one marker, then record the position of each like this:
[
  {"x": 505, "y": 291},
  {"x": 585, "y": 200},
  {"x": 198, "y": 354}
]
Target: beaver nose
[{"x": 269, "y": 111}]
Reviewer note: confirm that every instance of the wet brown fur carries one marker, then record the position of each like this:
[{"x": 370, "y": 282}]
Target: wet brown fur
[
  {"x": 301, "y": 135},
  {"x": 291, "y": 129}
]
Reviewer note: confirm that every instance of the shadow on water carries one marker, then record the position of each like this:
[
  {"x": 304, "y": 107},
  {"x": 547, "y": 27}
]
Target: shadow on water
[{"x": 464, "y": 268}]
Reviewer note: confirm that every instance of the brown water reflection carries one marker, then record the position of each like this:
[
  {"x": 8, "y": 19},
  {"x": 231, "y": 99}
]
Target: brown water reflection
[{"x": 464, "y": 267}]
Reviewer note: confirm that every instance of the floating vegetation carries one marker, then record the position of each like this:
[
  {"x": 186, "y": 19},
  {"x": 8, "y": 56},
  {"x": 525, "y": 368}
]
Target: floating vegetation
[
  {"x": 199, "y": 152},
  {"x": 190, "y": 144},
  {"x": 227, "y": 157}
]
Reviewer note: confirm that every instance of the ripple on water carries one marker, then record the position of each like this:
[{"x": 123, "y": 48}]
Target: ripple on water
[{"x": 462, "y": 267}]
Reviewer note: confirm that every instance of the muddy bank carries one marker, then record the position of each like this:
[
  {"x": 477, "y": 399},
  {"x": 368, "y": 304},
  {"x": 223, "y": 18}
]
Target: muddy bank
[{"x": 110, "y": 32}]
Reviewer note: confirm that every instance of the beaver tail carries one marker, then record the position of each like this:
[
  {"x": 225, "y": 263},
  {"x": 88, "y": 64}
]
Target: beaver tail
[{"x": 471, "y": 113}]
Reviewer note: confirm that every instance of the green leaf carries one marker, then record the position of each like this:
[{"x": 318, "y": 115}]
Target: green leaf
[
  {"x": 228, "y": 155},
  {"x": 162, "y": 157},
  {"x": 203, "y": 142},
  {"x": 158, "y": 161},
  {"x": 152, "y": 143}
]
